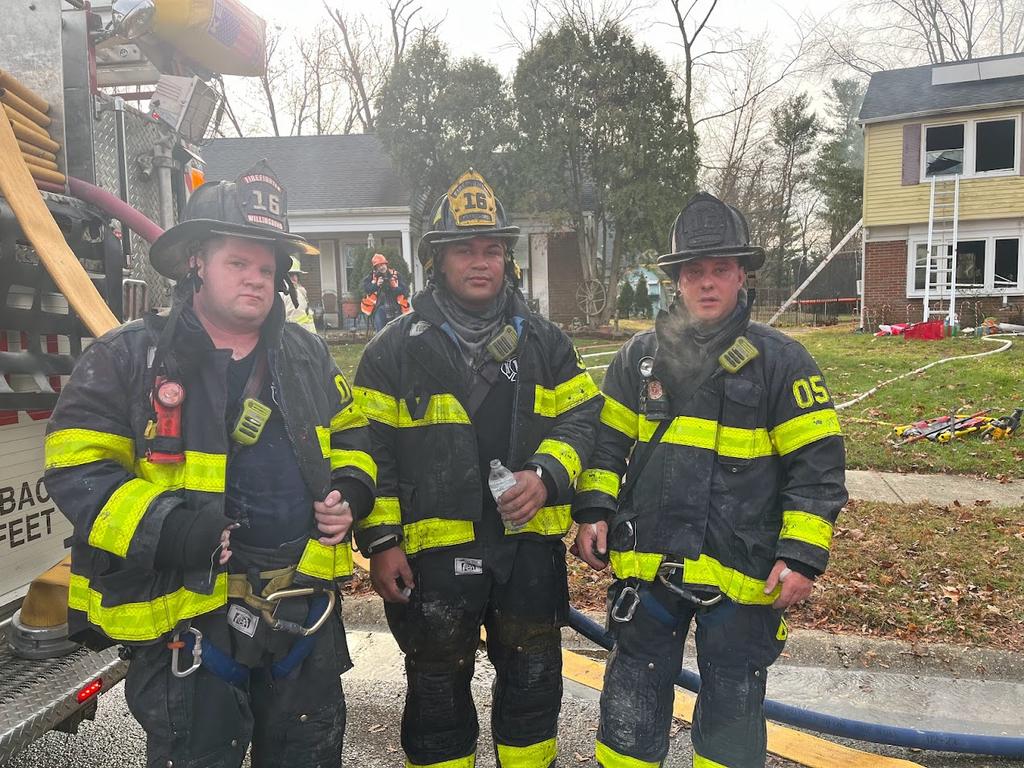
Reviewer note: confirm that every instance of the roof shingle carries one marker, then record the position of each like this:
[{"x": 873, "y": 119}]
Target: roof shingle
[
  {"x": 318, "y": 172},
  {"x": 909, "y": 92}
]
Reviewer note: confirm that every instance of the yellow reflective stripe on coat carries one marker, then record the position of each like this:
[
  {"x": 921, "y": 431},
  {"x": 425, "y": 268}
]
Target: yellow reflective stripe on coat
[
  {"x": 635, "y": 565},
  {"x": 469, "y": 761},
  {"x": 114, "y": 527},
  {"x": 74, "y": 447},
  {"x": 138, "y": 622},
  {"x": 199, "y": 472},
  {"x": 609, "y": 758},
  {"x": 808, "y": 528},
  {"x": 732, "y": 442},
  {"x": 705, "y": 570},
  {"x": 347, "y": 418},
  {"x": 599, "y": 480},
  {"x": 435, "y": 532},
  {"x": 539, "y": 755},
  {"x": 549, "y": 521},
  {"x": 358, "y": 459},
  {"x": 323, "y": 436},
  {"x": 803, "y": 430},
  {"x": 564, "y": 454},
  {"x": 699, "y": 761},
  {"x": 376, "y": 405},
  {"x": 386, "y": 511},
  {"x": 620, "y": 418},
  {"x": 322, "y": 561},
  {"x": 441, "y": 409},
  {"x": 565, "y": 396}
]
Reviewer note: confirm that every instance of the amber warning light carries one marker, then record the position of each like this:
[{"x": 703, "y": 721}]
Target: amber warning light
[{"x": 89, "y": 690}]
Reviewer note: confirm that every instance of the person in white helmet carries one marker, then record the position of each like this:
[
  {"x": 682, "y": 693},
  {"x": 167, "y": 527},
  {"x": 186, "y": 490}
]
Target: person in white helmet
[{"x": 298, "y": 307}]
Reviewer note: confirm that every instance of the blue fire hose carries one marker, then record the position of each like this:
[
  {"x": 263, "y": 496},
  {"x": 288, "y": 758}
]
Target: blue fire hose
[{"x": 942, "y": 741}]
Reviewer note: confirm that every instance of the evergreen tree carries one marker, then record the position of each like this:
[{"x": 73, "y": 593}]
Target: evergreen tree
[
  {"x": 839, "y": 168},
  {"x": 642, "y": 298},
  {"x": 626, "y": 299}
]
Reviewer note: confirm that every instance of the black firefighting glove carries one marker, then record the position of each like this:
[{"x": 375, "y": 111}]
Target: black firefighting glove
[{"x": 188, "y": 538}]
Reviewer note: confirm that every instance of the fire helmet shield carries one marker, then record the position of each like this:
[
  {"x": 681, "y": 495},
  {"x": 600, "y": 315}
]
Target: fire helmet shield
[
  {"x": 708, "y": 227},
  {"x": 468, "y": 209}
]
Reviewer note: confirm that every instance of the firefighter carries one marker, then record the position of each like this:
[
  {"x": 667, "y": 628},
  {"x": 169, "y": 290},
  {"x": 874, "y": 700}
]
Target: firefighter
[
  {"x": 470, "y": 376},
  {"x": 298, "y": 311},
  {"x": 383, "y": 293},
  {"x": 211, "y": 461},
  {"x": 734, "y": 481}
]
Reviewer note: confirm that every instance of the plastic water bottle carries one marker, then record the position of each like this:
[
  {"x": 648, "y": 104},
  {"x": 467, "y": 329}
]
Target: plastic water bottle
[{"x": 499, "y": 481}]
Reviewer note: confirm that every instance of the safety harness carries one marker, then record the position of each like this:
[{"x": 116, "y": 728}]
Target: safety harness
[{"x": 635, "y": 591}]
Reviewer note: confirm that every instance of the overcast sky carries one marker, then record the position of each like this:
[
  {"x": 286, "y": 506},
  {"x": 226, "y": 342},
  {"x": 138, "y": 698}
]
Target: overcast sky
[{"x": 475, "y": 27}]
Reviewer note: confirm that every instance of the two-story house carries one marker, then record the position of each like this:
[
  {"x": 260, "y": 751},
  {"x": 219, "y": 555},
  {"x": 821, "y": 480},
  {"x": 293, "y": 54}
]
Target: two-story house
[{"x": 942, "y": 166}]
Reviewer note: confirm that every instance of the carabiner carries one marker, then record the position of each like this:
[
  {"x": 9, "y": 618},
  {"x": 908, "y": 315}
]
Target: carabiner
[
  {"x": 292, "y": 627},
  {"x": 665, "y": 572},
  {"x": 177, "y": 644},
  {"x": 625, "y": 614}
]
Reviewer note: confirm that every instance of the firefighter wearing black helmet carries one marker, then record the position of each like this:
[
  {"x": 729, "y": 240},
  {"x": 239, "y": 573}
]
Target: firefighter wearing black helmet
[
  {"x": 469, "y": 376},
  {"x": 734, "y": 481},
  {"x": 211, "y": 460}
]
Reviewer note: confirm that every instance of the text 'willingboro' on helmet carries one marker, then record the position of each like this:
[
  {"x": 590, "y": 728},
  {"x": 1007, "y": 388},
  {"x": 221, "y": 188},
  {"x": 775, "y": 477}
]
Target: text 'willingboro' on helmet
[
  {"x": 469, "y": 209},
  {"x": 707, "y": 227}
]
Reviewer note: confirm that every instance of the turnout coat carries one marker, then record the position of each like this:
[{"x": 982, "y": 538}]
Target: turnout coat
[
  {"x": 98, "y": 472},
  {"x": 411, "y": 386},
  {"x": 749, "y": 470}
]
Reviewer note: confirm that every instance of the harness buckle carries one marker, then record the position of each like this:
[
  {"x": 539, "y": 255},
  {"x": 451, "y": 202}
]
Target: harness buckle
[
  {"x": 177, "y": 644},
  {"x": 291, "y": 627},
  {"x": 625, "y": 605},
  {"x": 667, "y": 570}
]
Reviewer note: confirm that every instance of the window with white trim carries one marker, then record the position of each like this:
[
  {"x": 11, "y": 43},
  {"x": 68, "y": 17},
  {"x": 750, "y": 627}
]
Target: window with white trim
[
  {"x": 944, "y": 150},
  {"x": 983, "y": 265},
  {"x": 971, "y": 148}
]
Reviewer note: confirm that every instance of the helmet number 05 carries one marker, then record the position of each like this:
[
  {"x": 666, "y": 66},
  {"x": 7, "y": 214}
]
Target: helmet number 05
[
  {"x": 273, "y": 203},
  {"x": 807, "y": 392}
]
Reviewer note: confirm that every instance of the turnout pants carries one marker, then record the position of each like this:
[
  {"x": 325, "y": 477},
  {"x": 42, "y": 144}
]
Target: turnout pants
[
  {"x": 735, "y": 646},
  {"x": 521, "y": 598},
  {"x": 293, "y": 716}
]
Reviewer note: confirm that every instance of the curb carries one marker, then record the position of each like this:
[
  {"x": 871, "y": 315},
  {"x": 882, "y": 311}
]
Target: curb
[{"x": 805, "y": 647}]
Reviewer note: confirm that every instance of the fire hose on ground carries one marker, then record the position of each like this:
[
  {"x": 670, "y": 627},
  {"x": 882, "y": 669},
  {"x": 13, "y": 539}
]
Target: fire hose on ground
[{"x": 896, "y": 736}]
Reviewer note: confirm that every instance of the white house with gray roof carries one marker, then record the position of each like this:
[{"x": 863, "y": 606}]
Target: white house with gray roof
[{"x": 344, "y": 193}]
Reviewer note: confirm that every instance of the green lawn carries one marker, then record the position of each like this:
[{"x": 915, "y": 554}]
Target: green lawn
[{"x": 854, "y": 363}]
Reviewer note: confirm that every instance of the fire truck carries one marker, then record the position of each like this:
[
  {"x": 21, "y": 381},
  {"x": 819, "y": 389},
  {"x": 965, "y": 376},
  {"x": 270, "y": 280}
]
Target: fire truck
[{"x": 108, "y": 106}]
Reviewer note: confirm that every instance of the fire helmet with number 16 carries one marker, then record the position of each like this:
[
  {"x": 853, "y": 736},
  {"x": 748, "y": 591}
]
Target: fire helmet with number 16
[
  {"x": 469, "y": 209},
  {"x": 254, "y": 207}
]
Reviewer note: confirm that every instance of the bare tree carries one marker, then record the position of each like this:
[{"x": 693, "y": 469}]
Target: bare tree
[
  {"x": 532, "y": 26},
  {"x": 887, "y": 34},
  {"x": 692, "y": 25},
  {"x": 271, "y": 74},
  {"x": 364, "y": 61}
]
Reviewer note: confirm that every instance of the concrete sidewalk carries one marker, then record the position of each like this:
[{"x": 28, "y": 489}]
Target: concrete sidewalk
[{"x": 895, "y": 488}]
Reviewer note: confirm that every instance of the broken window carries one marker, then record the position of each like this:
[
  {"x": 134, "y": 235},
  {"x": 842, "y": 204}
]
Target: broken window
[
  {"x": 995, "y": 148},
  {"x": 970, "y": 263},
  {"x": 1007, "y": 272},
  {"x": 944, "y": 150}
]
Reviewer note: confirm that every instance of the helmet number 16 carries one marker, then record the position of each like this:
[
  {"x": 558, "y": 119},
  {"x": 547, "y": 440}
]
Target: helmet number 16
[
  {"x": 273, "y": 203},
  {"x": 476, "y": 199}
]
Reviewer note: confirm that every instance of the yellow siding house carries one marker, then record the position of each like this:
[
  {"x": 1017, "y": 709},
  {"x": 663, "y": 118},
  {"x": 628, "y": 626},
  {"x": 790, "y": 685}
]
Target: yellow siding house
[{"x": 942, "y": 157}]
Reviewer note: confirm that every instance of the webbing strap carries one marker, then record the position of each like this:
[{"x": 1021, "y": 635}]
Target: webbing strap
[
  {"x": 656, "y": 608},
  {"x": 240, "y": 587},
  {"x": 232, "y": 672}
]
